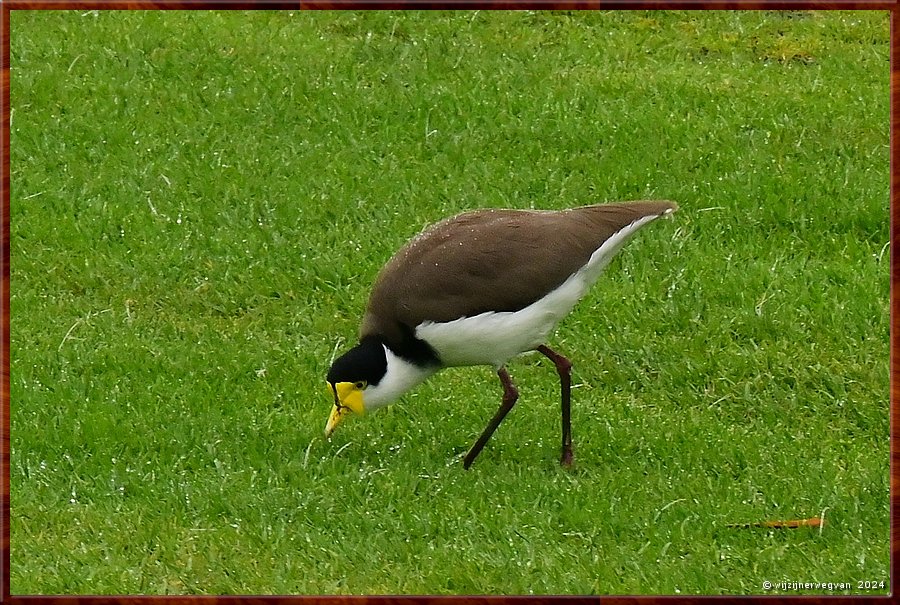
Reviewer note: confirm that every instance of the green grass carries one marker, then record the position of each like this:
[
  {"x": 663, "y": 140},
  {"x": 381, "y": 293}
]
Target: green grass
[{"x": 200, "y": 202}]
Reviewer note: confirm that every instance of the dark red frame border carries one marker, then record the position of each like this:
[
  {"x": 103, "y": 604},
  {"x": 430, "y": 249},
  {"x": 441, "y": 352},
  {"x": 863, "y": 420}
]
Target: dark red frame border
[{"x": 8, "y": 5}]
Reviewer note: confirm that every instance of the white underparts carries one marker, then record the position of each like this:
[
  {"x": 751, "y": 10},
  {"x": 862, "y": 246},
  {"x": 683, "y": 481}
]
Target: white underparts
[
  {"x": 400, "y": 376},
  {"x": 493, "y": 338}
]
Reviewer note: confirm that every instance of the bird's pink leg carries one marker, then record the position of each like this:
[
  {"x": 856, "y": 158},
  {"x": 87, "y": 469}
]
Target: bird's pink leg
[{"x": 564, "y": 369}]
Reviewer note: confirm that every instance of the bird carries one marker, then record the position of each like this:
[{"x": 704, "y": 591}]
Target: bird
[{"x": 480, "y": 288}]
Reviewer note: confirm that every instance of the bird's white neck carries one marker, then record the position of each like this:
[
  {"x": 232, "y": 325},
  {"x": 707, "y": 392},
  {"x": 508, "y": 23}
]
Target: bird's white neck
[{"x": 400, "y": 377}]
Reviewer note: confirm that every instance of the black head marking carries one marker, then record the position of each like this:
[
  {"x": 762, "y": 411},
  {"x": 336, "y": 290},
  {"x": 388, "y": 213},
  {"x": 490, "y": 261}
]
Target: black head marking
[{"x": 364, "y": 362}]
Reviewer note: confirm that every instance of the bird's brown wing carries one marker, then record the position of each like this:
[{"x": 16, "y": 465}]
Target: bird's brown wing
[{"x": 491, "y": 260}]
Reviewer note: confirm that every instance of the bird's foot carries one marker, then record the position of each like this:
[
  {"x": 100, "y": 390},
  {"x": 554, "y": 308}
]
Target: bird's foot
[
  {"x": 566, "y": 458},
  {"x": 468, "y": 460}
]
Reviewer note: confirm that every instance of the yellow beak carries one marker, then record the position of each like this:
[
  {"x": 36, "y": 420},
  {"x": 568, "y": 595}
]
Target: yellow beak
[
  {"x": 334, "y": 419},
  {"x": 347, "y": 398}
]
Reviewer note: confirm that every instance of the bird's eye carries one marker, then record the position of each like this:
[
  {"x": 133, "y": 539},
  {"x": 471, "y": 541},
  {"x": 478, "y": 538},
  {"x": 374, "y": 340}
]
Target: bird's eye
[{"x": 360, "y": 384}]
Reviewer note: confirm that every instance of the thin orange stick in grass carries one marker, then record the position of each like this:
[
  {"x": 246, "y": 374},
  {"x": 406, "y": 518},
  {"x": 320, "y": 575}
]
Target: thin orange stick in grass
[
  {"x": 794, "y": 523},
  {"x": 811, "y": 522}
]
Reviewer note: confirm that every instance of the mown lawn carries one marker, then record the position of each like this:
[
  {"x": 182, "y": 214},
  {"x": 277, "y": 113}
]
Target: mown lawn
[{"x": 201, "y": 200}]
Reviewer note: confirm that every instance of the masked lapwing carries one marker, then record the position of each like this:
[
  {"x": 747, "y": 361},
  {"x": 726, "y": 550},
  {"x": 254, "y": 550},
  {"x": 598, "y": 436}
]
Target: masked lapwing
[{"x": 478, "y": 289}]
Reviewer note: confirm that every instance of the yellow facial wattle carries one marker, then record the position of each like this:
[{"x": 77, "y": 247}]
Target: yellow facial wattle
[{"x": 348, "y": 397}]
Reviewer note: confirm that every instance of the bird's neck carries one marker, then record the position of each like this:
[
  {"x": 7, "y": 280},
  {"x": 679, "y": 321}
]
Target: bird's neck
[{"x": 401, "y": 376}]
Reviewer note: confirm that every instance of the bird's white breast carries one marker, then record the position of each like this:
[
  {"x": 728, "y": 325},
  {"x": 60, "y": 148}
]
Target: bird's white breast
[
  {"x": 399, "y": 377},
  {"x": 493, "y": 338}
]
